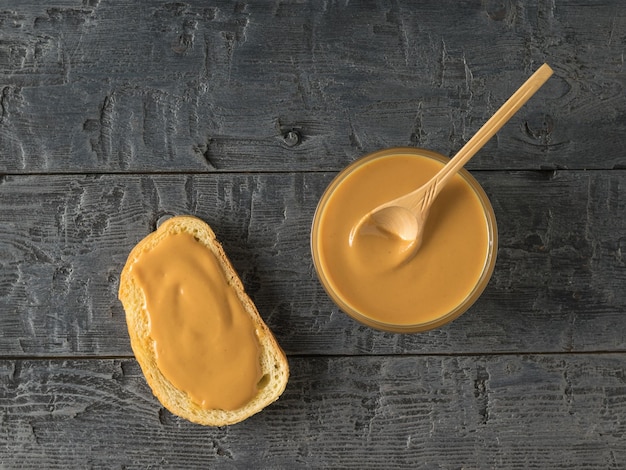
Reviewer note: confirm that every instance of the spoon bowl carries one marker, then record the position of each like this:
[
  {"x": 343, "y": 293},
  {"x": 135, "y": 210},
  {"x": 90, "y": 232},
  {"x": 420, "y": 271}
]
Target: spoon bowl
[
  {"x": 397, "y": 224},
  {"x": 397, "y": 220},
  {"x": 394, "y": 220}
]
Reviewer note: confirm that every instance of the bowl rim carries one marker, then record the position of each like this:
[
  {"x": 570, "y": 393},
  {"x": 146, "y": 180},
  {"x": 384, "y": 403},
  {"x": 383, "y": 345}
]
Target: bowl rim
[{"x": 475, "y": 293}]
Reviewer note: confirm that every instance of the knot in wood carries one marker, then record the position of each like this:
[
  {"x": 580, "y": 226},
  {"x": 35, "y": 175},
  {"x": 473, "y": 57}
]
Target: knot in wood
[{"x": 292, "y": 138}]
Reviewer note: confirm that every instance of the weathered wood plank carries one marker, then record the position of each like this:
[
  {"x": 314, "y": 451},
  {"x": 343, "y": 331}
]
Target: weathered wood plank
[
  {"x": 561, "y": 411},
  {"x": 154, "y": 86},
  {"x": 558, "y": 283}
]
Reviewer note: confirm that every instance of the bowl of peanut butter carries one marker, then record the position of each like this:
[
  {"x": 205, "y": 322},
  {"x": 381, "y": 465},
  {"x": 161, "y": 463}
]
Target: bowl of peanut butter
[{"x": 371, "y": 278}]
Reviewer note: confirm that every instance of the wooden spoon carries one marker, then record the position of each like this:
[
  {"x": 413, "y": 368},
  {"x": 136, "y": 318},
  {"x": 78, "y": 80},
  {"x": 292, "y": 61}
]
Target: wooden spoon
[{"x": 405, "y": 216}]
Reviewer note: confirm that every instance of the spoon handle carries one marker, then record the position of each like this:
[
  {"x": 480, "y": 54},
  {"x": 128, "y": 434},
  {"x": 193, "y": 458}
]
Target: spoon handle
[{"x": 488, "y": 130}]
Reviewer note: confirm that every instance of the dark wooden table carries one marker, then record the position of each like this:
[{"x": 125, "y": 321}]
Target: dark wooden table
[{"x": 113, "y": 114}]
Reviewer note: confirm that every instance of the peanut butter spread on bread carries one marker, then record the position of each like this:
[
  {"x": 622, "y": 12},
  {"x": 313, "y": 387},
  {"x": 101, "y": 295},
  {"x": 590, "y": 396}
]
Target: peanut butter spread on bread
[{"x": 206, "y": 344}]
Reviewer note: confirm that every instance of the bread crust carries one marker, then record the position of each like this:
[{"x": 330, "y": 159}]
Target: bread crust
[{"x": 274, "y": 363}]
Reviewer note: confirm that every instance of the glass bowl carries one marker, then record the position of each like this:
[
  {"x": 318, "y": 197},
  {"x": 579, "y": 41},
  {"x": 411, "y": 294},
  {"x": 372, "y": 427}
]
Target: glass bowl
[{"x": 368, "y": 169}]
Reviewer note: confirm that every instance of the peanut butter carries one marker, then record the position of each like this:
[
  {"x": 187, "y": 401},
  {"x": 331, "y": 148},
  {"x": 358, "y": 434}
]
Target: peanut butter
[
  {"x": 206, "y": 343},
  {"x": 369, "y": 275}
]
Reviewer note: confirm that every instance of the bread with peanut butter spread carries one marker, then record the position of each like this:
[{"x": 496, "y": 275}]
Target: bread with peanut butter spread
[{"x": 271, "y": 372}]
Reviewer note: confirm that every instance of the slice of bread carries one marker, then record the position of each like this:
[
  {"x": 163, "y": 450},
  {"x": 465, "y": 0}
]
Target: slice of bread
[{"x": 274, "y": 364}]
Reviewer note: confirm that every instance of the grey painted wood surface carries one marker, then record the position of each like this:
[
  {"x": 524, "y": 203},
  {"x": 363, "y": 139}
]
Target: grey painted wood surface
[
  {"x": 554, "y": 411},
  {"x": 558, "y": 284},
  {"x": 197, "y": 86},
  {"x": 113, "y": 114}
]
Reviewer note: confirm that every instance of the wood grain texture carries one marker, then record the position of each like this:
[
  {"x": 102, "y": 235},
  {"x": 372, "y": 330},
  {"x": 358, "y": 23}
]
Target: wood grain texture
[
  {"x": 558, "y": 412},
  {"x": 115, "y": 113},
  {"x": 557, "y": 286},
  {"x": 188, "y": 86}
]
